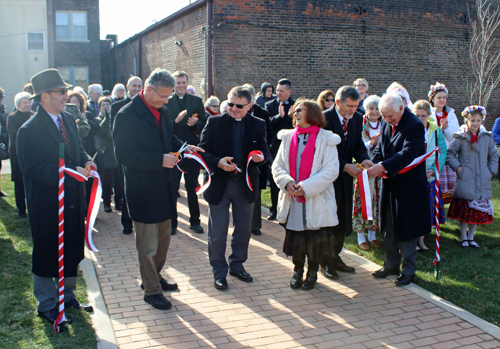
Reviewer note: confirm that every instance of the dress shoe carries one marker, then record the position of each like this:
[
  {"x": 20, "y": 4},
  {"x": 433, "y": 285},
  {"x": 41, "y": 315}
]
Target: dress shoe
[
  {"x": 22, "y": 214},
  {"x": 329, "y": 273},
  {"x": 271, "y": 217},
  {"x": 127, "y": 231},
  {"x": 118, "y": 207},
  {"x": 220, "y": 283},
  {"x": 165, "y": 285},
  {"x": 196, "y": 228},
  {"x": 76, "y": 305},
  {"x": 173, "y": 231},
  {"x": 52, "y": 315},
  {"x": 242, "y": 275},
  {"x": 256, "y": 232},
  {"x": 385, "y": 272},
  {"x": 376, "y": 243},
  {"x": 158, "y": 301},
  {"x": 107, "y": 208},
  {"x": 343, "y": 268},
  {"x": 297, "y": 279},
  {"x": 310, "y": 281},
  {"x": 364, "y": 246},
  {"x": 404, "y": 280}
]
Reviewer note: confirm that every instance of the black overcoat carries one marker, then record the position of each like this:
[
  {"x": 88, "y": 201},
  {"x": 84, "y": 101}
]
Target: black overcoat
[
  {"x": 38, "y": 155},
  {"x": 408, "y": 192},
  {"x": 14, "y": 122},
  {"x": 150, "y": 188},
  {"x": 217, "y": 141},
  {"x": 194, "y": 105},
  {"x": 278, "y": 123},
  {"x": 352, "y": 147},
  {"x": 261, "y": 113},
  {"x": 115, "y": 108}
]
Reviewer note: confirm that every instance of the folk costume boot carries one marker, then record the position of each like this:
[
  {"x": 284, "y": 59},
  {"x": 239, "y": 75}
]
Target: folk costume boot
[
  {"x": 312, "y": 276},
  {"x": 298, "y": 276}
]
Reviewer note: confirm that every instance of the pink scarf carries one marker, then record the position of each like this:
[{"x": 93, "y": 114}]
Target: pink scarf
[{"x": 307, "y": 157}]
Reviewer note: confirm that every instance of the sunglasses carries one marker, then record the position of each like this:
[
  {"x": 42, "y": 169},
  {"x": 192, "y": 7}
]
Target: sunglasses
[
  {"x": 239, "y": 106},
  {"x": 329, "y": 100},
  {"x": 297, "y": 110},
  {"x": 61, "y": 91}
]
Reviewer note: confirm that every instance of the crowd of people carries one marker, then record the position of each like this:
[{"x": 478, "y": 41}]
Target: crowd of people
[{"x": 311, "y": 153}]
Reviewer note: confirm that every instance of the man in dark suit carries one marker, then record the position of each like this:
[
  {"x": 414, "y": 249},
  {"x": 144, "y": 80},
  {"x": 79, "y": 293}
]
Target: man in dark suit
[
  {"x": 404, "y": 199},
  {"x": 38, "y": 156},
  {"x": 228, "y": 139},
  {"x": 343, "y": 120},
  {"x": 188, "y": 116},
  {"x": 144, "y": 138},
  {"x": 134, "y": 86},
  {"x": 278, "y": 114}
]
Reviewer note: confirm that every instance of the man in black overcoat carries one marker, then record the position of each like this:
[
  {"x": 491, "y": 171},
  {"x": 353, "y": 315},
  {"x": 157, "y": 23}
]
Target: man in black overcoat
[
  {"x": 38, "y": 156},
  {"x": 144, "y": 138},
  {"x": 188, "y": 117},
  {"x": 277, "y": 110},
  {"x": 343, "y": 120},
  {"x": 134, "y": 86},
  {"x": 228, "y": 139},
  {"x": 404, "y": 198}
]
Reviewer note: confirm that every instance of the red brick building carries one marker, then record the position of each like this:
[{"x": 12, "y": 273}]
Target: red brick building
[{"x": 316, "y": 44}]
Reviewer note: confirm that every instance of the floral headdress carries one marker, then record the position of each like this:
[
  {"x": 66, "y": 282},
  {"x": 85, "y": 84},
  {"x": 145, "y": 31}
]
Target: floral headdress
[
  {"x": 472, "y": 108},
  {"x": 437, "y": 87}
]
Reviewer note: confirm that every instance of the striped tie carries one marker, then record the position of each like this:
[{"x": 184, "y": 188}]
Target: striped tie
[
  {"x": 63, "y": 131},
  {"x": 344, "y": 127}
]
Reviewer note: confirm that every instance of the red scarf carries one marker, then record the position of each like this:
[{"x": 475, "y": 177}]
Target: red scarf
[
  {"x": 439, "y": 118},
  {"x": 307, "y": 157},
  {"x": 473, "y": 137},
  {"x": 211, "y": 112},
  {"x": 155, "y": 112}
]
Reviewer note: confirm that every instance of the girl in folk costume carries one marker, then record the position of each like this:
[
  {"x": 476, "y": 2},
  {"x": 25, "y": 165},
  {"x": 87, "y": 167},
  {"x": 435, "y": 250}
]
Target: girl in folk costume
[
  {"x": 305, "y": 167},
  {"x": 433, "y": 137},
  {"x": 472, "y": 155},
  {"x": 446, "y": 119},
  {"x": 372, "y": 123}
]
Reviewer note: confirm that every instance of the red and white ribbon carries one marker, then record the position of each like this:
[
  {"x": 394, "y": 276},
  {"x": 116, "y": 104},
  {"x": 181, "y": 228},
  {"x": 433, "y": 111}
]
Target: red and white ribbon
[
  {"x": 61, "y": 317},
  {"x": 437, "y": 207},
  {"x": 366, "y": 196},
  {"x": 258, "y": 152},
  {"x": 414, "y": 163},
  {"x": 197, "y": 157},
  {"x": 93, "y": 209}
]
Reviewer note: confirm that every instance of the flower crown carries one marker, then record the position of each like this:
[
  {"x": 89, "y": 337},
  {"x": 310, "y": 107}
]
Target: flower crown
[
  {"x": 437, "y": 87},
  {"x": 472, "y": 108}
]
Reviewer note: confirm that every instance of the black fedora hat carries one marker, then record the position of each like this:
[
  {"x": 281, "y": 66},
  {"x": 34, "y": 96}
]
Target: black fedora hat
[{"x": 47, "y": 80}]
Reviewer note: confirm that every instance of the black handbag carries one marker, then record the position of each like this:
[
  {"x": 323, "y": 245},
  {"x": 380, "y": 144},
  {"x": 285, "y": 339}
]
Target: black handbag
[{"x": 4, "y": 153}]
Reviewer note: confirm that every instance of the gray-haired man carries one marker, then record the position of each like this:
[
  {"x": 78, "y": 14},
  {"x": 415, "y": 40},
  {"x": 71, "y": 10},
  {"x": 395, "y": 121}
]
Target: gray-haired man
[{"x": 144, "y": 138}]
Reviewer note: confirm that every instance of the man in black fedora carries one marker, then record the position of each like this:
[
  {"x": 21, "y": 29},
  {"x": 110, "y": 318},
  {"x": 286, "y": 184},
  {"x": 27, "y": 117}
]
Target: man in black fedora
[{"x": 38, "y": 155}]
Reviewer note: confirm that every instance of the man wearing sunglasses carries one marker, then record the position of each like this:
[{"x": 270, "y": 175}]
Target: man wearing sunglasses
[{"x": 228, "y": 140}]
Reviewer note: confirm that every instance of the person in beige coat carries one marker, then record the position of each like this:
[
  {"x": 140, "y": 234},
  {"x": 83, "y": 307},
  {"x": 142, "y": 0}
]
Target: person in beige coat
[{"x": 304, "y": 169}]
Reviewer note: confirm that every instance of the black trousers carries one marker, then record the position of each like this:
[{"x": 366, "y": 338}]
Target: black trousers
[
  {"x": 107, "y": 185},
  {"x": 126, "y": 220},
  {"x": 192, "y": 169},
  {"x": 118, "y": 186},
  {"x": 275, "y": 191},
  {"x": 257, "y": 214},
  {"x": 338, "y": 233},
  {"x": 20, "y": 196}
]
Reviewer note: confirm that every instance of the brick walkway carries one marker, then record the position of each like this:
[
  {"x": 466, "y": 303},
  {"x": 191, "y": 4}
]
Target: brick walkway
[{"x": 356, "y": 311}]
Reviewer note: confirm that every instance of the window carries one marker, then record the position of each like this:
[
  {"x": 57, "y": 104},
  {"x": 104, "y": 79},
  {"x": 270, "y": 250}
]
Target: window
[
  {"x": 71, "y": 26},
  {"x": 35, "y": 41},
  {"x": 76, "y": 76}
]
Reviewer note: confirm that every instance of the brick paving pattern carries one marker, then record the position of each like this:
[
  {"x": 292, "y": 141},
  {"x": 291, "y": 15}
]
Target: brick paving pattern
[{"x": 356, "y": 311}]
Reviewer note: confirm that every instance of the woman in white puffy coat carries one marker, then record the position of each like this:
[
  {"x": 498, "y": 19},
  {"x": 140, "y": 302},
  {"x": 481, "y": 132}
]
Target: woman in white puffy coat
[{"x": 304, "y": 169}]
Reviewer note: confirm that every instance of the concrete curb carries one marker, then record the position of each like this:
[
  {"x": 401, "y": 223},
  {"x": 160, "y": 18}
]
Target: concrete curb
[
  {"x": 431, "y": 297},
  {"x": 100, "y": 318}
]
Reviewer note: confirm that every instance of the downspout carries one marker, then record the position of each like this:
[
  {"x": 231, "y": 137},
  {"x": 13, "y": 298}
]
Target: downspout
[{"x": 208, "y": 52}]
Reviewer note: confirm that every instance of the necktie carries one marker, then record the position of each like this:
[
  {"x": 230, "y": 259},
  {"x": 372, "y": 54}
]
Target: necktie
[
  {"x": 63, "y": 131},
  {"x": 393, "y": 129},
  {"x": 344, "y": 127}
]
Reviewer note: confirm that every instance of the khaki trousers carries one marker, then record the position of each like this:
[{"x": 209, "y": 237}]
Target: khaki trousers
[{"x": 152, "y": 242}]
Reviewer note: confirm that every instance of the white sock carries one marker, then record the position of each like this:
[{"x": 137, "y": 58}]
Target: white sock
[
  {"x": 463, "y": 231},
  {"x": 371, "y": 235},
  {"x": 472, "y": 231},
  {"x": 361, "y": 238}
]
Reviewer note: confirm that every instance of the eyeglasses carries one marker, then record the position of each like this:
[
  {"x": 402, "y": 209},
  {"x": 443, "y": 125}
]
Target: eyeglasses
[
  {"x": 62, "y": 91},
  {"x": 297, "y": 110},
  {"x": 329, "y": 100},
  {"x": 163, "y": 98},
  {"x": 239, "y": 106}
]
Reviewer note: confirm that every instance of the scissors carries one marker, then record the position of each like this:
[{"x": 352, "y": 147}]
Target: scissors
[
  {"x": 361, "y": 167},
  {"x": 230, "y": 163},
  {"x": 88, "y": 167},
  {"x": 177, "y": 154}
]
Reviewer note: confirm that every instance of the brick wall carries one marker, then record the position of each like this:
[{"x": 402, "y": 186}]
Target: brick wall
[{"x": 81, "y": 53}]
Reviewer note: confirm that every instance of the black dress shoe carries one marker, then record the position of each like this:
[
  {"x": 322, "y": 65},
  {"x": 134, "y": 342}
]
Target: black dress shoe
[
  {"x": 385, "y": 272},
  {"x": 297, "y": 279},
  {"x": 158, "y": 301},
  {"x": 196, "y": 228},
  {"x": 220, "y": 283},
  {"x": 52, "y": 315},
  {"x": 22, "y": 214},
  {"x": 329, "y": 273},
  {"x": 107, "y": 208},
  {"x": 310, "y": 281},
  {"x": 118, "y": 207},
  {"x": 75, "y": 304},
  {"x": 256, "y": 232},
  {"x": 343, "y": 268},
  {"x": 242, "y": 275},
  {"x": 404, "y": 280},
  {"x": 271, "y": 217},
  {"x": 173, "y": 231},
  {"x": 165, "y": 285},
  {"x": 127, "y": 231}
]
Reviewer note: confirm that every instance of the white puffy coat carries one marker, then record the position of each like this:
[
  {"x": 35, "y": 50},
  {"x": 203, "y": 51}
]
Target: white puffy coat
[{"x": 321, "y": 207}]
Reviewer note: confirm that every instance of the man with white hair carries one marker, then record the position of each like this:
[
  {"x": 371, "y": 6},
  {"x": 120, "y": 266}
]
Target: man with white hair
[
  {"x": 404, "y": 198},
  {"x": 95, "y": 92},
  {"x": 346, "y": 122}
]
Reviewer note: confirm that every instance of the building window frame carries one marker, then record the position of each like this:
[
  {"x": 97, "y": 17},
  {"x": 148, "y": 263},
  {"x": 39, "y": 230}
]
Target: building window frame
[
  {"x": 70, "y": 26},
  {"x": 28, "y": 41},
  {"x": 71, "y": 79}
]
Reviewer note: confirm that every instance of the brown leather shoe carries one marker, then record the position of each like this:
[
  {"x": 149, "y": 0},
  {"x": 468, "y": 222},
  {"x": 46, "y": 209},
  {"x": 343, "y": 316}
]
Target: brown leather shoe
[
  {"x": 376, "y": 243},
  {"x": 364, "y": 246}
]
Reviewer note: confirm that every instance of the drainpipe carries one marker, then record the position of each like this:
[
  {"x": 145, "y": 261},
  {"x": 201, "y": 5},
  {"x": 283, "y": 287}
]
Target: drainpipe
[{"x": 208, "y": 52}]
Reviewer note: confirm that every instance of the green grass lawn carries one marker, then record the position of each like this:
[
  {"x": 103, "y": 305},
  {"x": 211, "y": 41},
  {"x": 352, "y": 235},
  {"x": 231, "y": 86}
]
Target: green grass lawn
[
  {"x": 20, "y": 327},
  {"x": 470, "y": 278}
]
